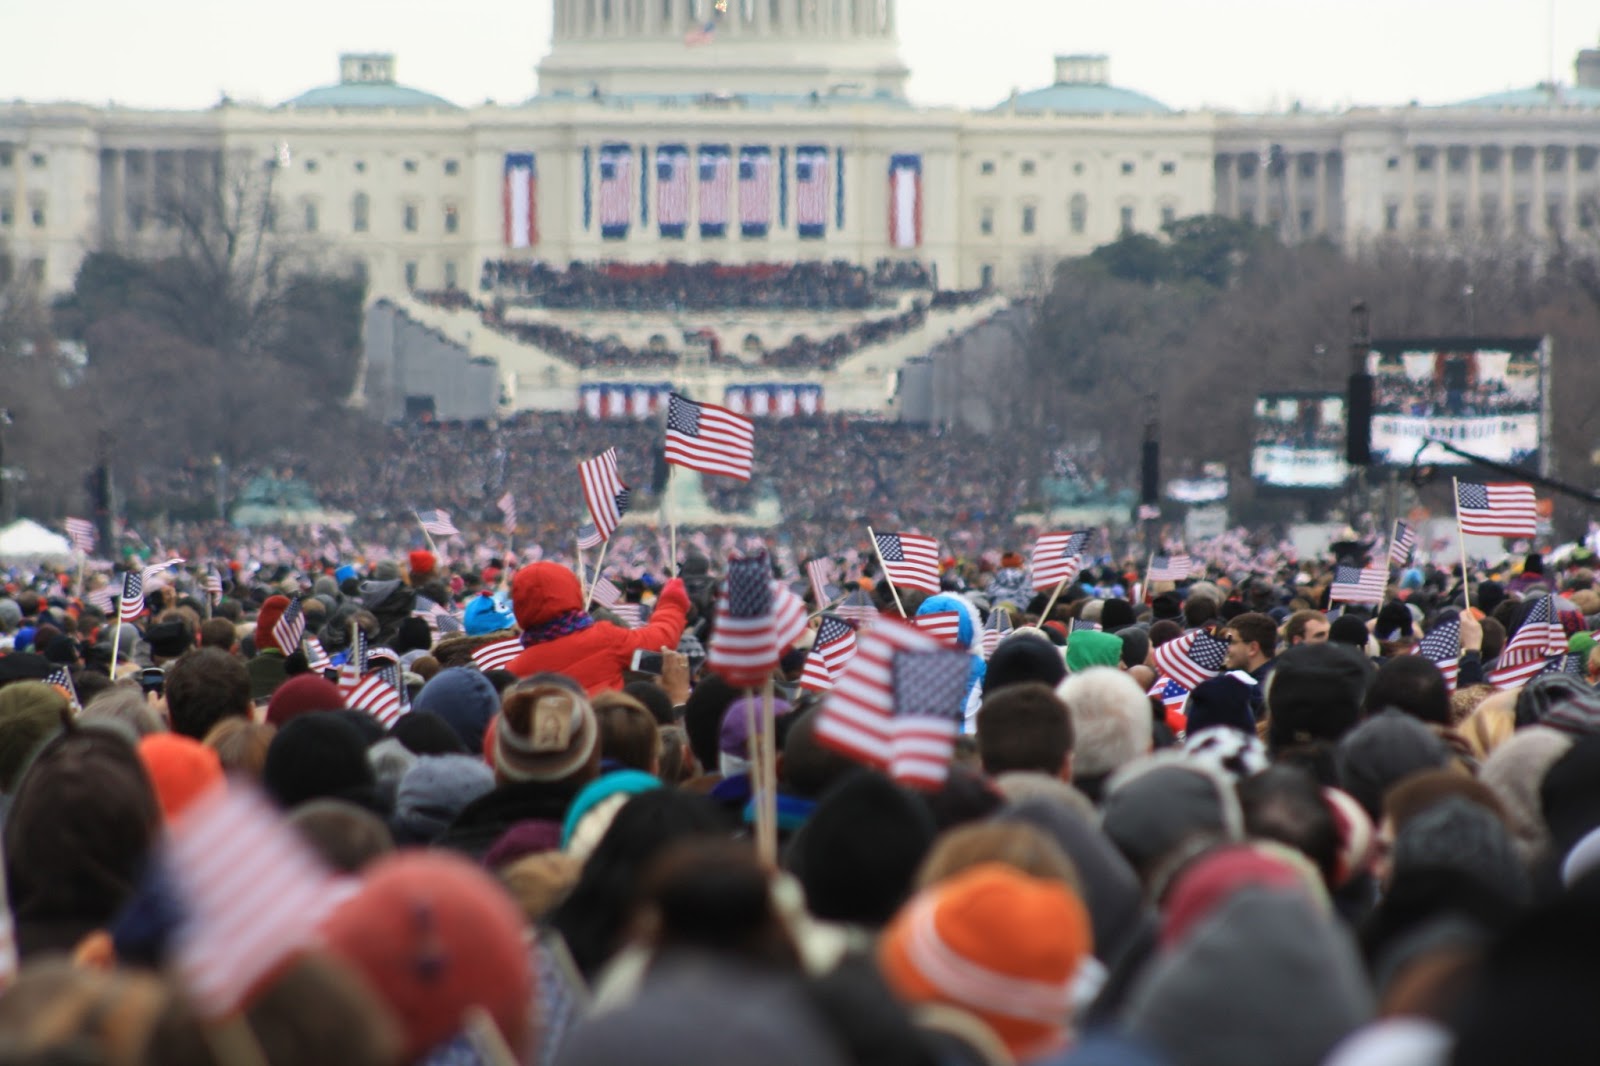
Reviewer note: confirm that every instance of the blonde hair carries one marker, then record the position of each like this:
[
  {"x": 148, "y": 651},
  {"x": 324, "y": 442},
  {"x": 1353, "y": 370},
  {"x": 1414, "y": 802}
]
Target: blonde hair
[
  {"x": 1019, "y": 846},
  {"x": 1491, "y": 723}
]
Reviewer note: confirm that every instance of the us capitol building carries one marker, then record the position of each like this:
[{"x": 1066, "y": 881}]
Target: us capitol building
[{"x": 777, "y": 131}]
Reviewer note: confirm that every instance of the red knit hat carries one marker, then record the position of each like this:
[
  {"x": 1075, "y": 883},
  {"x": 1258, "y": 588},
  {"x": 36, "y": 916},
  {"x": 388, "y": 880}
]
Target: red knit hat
[
  {"x": 268, "y": 617},
  {"x": 435, "y": 936},
  {"x": 303, "y": 694},
  {"x": 180, "y": 769},
  {"x": 422, "y": 563},
  {"x": 1213, "y": 879},
  {"x": 996, "y": 943}
]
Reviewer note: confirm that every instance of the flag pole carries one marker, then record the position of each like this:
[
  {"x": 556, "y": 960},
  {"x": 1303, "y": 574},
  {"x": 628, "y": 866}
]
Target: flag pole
[
  {"x": 874, "y": 538},
  {"x": 1048, "y": 607},
  {"x": 427, "y": 536},
  {"x": 116, "y": 632},
  {"x": 1461, "y": 535},
  {"x": 83, "y": 563},
  {"x": 600, "y": 564},
  {"x": 1144, "y": 593},
  {"x": 672, "y": 527},
  {"x": 767, "y": 796}
]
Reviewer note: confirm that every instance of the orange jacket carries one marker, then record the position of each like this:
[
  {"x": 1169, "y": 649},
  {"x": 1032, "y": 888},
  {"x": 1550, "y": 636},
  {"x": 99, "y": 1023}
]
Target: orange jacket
[{"x": 594, "y": 657}]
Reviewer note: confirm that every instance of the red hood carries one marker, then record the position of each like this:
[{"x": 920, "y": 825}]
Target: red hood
[{"x": 543, "y": 591}]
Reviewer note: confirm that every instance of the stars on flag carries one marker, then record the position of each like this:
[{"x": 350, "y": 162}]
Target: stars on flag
[
  {"x": 710, "y": 439},
  {"x": 437, "y": 523},
  {"x": 1057, "y": 558},
  {"x": 1191, "y": 658},
  {"x": 911, "y": 560},
  {"x": 1497, "y": 510}
]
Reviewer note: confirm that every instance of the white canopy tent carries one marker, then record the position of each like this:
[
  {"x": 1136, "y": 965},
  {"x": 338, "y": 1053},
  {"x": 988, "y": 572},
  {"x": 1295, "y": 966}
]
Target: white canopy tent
[{"x": 27, "y": 541}]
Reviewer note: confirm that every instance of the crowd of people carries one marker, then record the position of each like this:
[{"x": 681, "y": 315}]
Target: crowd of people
[
  {"x": 679, "y": 287},
  {"x": 1210, "y": 822}
]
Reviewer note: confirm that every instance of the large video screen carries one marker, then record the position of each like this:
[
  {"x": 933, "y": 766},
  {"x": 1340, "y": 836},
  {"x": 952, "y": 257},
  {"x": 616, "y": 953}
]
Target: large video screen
[
  {"x": 1486, "y": 396},
  {"x": 1299, "y": 442}
]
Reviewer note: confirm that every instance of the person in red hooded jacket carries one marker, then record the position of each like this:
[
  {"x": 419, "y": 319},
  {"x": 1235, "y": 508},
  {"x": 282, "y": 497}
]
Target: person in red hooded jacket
[{"x": 559, "y": 636}]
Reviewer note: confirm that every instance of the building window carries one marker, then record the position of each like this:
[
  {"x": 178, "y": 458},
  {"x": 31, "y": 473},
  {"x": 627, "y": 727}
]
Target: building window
[
  {"x": 1588, "y": 212},
  {"x": 1308, "y": 221},
  {"x": 1308, "y": 166},
  {"x": 1456, "y": 160},
  {"x": 1247, "y": 166},
  {"x": 1524, "y": 216},
  {"x": 1457, "y": 217},
  {"x": 1030, "y": 219},
  {"x": 361, "y": 166},
  {"x": 358, "y": 212},
  {"x": 1169, "y": 168},
  {"x": 1425, "y": 158},
  {"x": 1555, "y": 159},
  {"x": 986, "y": 221},
  {"x": 1077, "y": 169},
  {"x": 1522, "y": 160},
  {"x": 1126, "y": 223},
  {"x": 36, "y": 210},
  {"x": 452, "y": 167},
  {"x": 1078, "y": 213},
  {"x": 986, "y": 276},
  {"x": 1169, "y": 215},
  {"x": 986, "y": 167},
  {"x": 1489, "y": 160},
  {"x": 1028, "y": 168},
  {"x": 1394, "y": 162},
  {"x": 411, "y": 273},
  {"x": 411, "y": 166},
  {"x": 5, "y": 215},
  {"x": 38, "y": 160},
  {"x": 1391, "y": 217},
  {"x": 1489, "y": 212},
  {"x": 1424, "y": 216},
  {"x": 408, "y": 218},
  {"x": 1552, "y": 217},
  {"x": 1587, "y": 158},
  {"x": 5, "y": 157},
  {"x": 449, "y": 273},
  {"x": 452, "y": 218},
  {"x": 36, "y": 271},
  {"x": 1127, "y": 167},
  {"x": 311, "y": 218},
  {"x": 311, "y": 166}
]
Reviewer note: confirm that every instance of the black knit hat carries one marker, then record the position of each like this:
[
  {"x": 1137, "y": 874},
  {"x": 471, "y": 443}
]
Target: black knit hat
[
  {"x": 1024, "y": 657},
  {"x": 318, "y": 756},
  {"x": 1314, "y": 693}
]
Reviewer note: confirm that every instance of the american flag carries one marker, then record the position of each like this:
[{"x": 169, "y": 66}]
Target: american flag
[
  {"x": 1496, "y": 510},
  {"x": 703, "y": 33},
  {"x": 629, "y": 614},
  {"x": 131, "y": 602},
  {"x": 80, "y": 531},
  {"x": 354, "y": 667},
  {"x": 316, "y": 655},
  {"x": 945, "y": 626},
  {"x": 1057, "y": 558},
  {"x": 789, "y": 616},
  {"x": 213, "y": 584},
  {"x": 1530, "y": 648},
  {"x": 1571, "y": 663},
  {"x": 1192, "y": 658},
  {"x": 508, "y": 512},
  {"x": 820, "y": 573},
  {"x": 715, "y": 167},
  {"x": 710, "y": 439},
  {"x": 104, "y": 597},
  {"x": 755, "y": 190},
  {"x": 672, "y": 190},
  {"x": 1083, "y": 625},
  {"x": 811, "y": 190},
  {"x": 438, "y": 616},
  {"x": 498, "y": 655},
  {"x": 616, "y": 190},
  {"x": 155, "y": 570},
  {"x": 1403, "y": 544},
  {"x": 1441, "y": 646},
  {"x": 601, "y": 590},
  {"x": 604, "y": 492},
  {"x": 910, "y": 559},
  {"x": 61, "y": 677},
  {"x": 381, "y": 694},
  {"x": 290, "y": 627},
  {"x": 437, "y": 523},
  {"x": 1170, "y": 568},
  {"x": 1148, "y": 512},
  {"x": 744, "y": 647},
  {"x": 897, "y": 704},
  {"x": 253, "y": 895},
  {"x": 1358, "y": 584},
  {"x": 589, "y": 537},
  {"x": 833, "y": 648},
  {"x": 996, "y": 629},
  {"x": 858, "y": 608},
  {"x": 1172, "y": 694}
]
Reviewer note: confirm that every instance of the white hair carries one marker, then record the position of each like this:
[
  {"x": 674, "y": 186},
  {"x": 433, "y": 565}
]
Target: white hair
[{"x": 1111, "y": 720}]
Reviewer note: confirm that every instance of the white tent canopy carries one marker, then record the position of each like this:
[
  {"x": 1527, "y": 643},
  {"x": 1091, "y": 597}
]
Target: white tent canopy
[{"x": 28, "y": 540}]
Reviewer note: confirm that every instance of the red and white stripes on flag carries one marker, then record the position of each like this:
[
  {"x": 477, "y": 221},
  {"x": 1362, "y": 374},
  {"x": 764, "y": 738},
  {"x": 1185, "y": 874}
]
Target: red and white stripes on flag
[
  {"x": 1441, "y": 646},
  {"x": 629, "y": 614},
  {"x": 520, "y": 201},
  {"x": 834, "y": 646},
  {"x": 911, "y": 560},
  {"x": 744, "y": 648},
  {"x": 604, "y": 492},
  {"x": 616, "y": 190},
  {"x": 602, "y": 590},
  {"x": 437, "y": 523},
  {"x": 811, "y": 191},
  {"x": 381, "y": 694},
  {"x": 81, "y": 533},
  {"x": 1192, "y": 658},
  {"x": 291, "y": 626},
  {"x": 755, "y": 190},
  {"x": 1170, "y": 568},
  {"x": 820, "y": 573},
  {"x": 897, "y": 704},
  {"x": 905, "y": 201},
  {"x": 944, "y": 626},
  {"x": 316, "y": 655},
  {"x": 1358, "y": 584},
  {"x": 998, "y": 628},
  {"x": 715, "y": 166},
  {"x": 710, "y": 439},
  {"x": 1531, "y": 648},
  {"x": 1057, "y": 557},
  {"x": 672, "y": 190},
  {"x": 498, "y": 655},
  {"x": 508, "y": 513},
  {"x": 789, "y": 616},
  {"x": 1403, "y": 544},
  {"x": 1497, "y": 510},
  {"x": 130, "y": 604},
  {"x": 253, "y": 894}
]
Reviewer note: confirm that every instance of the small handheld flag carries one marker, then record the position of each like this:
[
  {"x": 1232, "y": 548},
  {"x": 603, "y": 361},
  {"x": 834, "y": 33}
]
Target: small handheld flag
[{"x": 710, "y": 439}]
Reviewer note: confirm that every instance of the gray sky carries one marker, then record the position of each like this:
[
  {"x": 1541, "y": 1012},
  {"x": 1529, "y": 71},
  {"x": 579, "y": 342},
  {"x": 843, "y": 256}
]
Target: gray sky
[{"x": 1239, "y": 54}]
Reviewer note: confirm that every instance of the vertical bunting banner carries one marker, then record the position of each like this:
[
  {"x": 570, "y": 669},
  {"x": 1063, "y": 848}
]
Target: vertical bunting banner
[
  {"x": 905, "y": 201},
  {"x": 616, "y": 191},
  {"x": 811, "y": 191},
  {"x": 588, "y": 188},
  {"x": 755, "y": 190},
  {"x": 644, "y": 185},
  {"x": 520, "y": 198},
  {"x": 716, "y": 165},
  {"x": 838, "y": 186},
  {"x": 672, "y": 190},
  {"x": 783, "y": 187}
]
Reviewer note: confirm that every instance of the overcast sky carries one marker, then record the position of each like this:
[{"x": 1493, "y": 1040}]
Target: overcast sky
[{"x": 1248, "y": 55}]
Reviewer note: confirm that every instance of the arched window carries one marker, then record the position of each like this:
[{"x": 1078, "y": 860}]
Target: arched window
[
  {"x": 1078, "y": 212},
  {"x": 359, "y": 209}
]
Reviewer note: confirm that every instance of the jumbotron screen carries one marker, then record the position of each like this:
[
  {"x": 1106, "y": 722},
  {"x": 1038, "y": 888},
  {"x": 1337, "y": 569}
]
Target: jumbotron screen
[
  {"x": 1299, "y": 441},
  {"x": 1484, "y": 395}
]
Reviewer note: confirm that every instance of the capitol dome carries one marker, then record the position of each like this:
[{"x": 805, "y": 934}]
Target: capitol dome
[
  {"x": 366, "y": 80},
  {"x": 1083, "y": 87}
]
